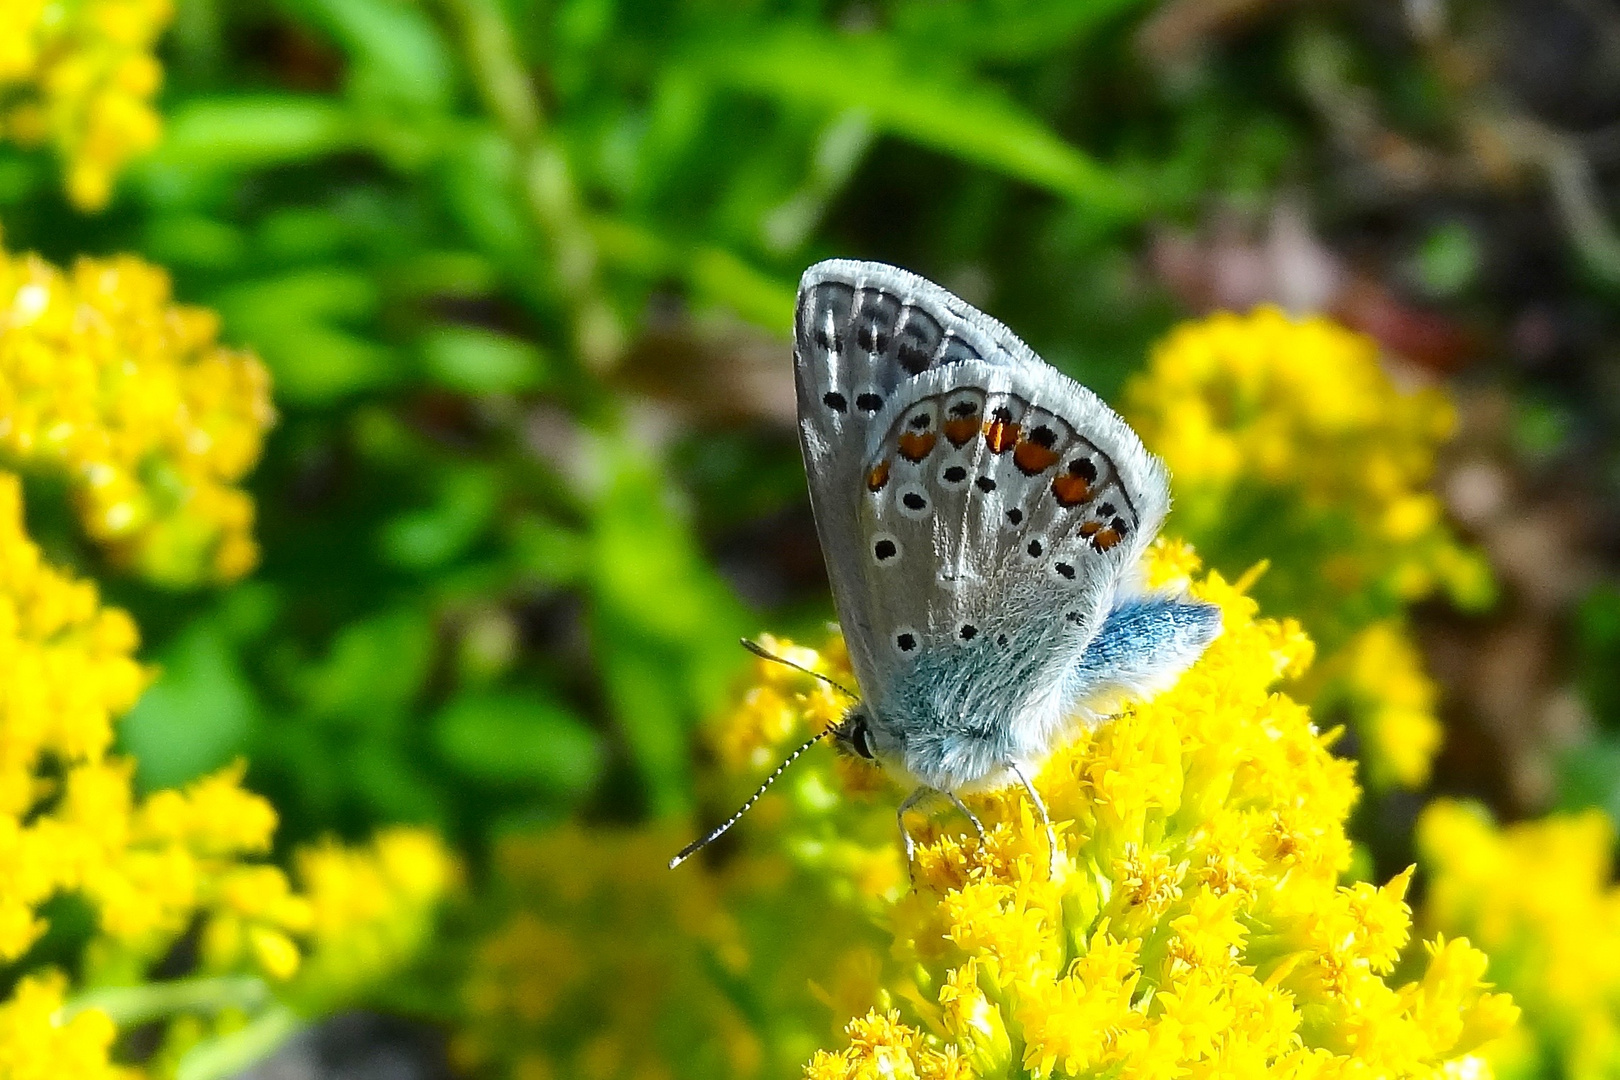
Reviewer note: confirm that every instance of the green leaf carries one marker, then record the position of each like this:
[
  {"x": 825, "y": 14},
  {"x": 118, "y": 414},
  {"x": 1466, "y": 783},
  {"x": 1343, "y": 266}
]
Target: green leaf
[
  {"x": 547, "y": 552},
  {"x": 396, "y": 50},
  {"x": 518, "y": 738},
  {"x": 716, "y": 277},
  {"x": 198, "y": 716},
  {"x": 473, "y": 360},
  {"x": 953, "y": 113},
  {"x": 1005, "y": 29},
  {"x": 424, "y": 539},
  {"x": 665, "y": 626},
  {"x": 193, "y": 240},
  {"x": 294, "y": 322},
  {"x": 253, "y": 132},
  {"x": 480, "y": 176},
  {"x": 375, "y": 667}
]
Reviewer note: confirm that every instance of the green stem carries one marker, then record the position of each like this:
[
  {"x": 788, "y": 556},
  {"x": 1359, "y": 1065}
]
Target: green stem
[
  {"x": 129, "y": 1005},
  {"x": 547, "y": 187},
  {"x": 228, "y": 1055}
]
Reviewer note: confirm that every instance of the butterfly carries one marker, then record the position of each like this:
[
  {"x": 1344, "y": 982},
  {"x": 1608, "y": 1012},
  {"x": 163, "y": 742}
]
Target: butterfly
[{"x": 982, "y": 517}]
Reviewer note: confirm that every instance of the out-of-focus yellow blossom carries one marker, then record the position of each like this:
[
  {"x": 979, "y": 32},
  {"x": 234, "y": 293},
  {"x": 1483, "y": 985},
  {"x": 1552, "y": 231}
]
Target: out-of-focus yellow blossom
[
  {"x": 1540, "y": 898},
  {"x": 80, "y": 75},
  {"x": 1199, "y": 923},
  {"x": 1288, "y": 442},
  {"x": 371, "y": 908},
  {"x": 606, "y": 964},
  {"x": 36, "y": 1043},
  {"x": 1379, "y": 678},
  {"x": 108, "y": 381},
  {"x": 151, "y": 868}
]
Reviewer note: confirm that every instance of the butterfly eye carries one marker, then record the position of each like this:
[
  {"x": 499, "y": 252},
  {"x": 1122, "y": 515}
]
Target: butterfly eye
[{"x": 859, "y": 739}]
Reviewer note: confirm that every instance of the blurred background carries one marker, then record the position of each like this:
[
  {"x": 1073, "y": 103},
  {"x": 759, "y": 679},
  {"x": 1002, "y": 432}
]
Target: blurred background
[{"x": 521, "y": 274}]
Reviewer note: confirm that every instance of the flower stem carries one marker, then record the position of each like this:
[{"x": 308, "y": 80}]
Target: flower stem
[
  {"x": 129, "y": 1005},
  {"x": 234, "y": 1053},
  {"x": 546, "y": 183}
]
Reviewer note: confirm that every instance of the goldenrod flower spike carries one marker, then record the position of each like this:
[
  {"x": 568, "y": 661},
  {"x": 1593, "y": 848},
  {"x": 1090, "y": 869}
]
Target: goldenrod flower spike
[
  {"x": 1200, "y": 924},
  {"x": 81, "y": 75},
  {"x": 127, "y": 395},
  {"x": 1540, "y": 896},
  {"x": 1289, "y": 437}
]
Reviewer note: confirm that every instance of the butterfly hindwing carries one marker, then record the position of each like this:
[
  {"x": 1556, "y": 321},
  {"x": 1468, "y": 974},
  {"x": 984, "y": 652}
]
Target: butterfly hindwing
[{"x": 1001, "y": 508}]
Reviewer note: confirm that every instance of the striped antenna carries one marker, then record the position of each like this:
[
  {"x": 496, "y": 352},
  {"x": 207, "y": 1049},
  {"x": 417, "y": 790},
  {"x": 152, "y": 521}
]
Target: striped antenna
[
  {"x": 764, "y": 654},
  {"x": 714, "y": 834}
]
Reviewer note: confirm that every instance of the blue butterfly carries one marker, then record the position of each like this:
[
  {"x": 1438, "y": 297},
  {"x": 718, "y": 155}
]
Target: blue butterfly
[{"x": 983, "y": 517}]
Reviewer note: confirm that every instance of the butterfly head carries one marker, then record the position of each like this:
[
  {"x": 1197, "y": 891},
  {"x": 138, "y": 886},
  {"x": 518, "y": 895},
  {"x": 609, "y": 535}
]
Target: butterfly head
[{"x": 856, "y": 735}]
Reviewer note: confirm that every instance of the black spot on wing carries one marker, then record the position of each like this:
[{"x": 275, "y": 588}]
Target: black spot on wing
[
  {"x": 917, "y": 341},
  {"x": 824, "y": 316},
  {"x": 875, "y": 318}
]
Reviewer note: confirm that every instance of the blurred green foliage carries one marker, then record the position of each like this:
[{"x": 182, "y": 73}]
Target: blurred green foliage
[
  {"x": 524, "y": 272},
  {"x": 502, "y": 259}
]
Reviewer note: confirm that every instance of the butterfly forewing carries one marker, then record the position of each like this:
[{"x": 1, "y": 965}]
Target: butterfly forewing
[{"x": 861, "y": 331}]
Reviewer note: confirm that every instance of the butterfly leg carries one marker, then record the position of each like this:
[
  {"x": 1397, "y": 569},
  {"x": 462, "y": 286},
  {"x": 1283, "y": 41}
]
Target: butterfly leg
[
  {"x": 911, "y": 800},
  {"x": 1040, "y": 808},
  {"x": 978, "y": 826}
]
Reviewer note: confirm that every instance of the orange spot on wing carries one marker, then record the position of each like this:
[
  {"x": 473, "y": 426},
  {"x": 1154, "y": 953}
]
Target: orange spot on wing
[
  {"x": 1032, "y": 458},
  {"x": 877, "y": 477},
  {"x": 962, "y": 428},
  {"x": 1090, "y": 528},
  {"x": 1000, "y": 435},
  {"x": 915, "y": 447},
  {"x": 1071, "y": 490},
  {"x": 1105, "y": 539}
]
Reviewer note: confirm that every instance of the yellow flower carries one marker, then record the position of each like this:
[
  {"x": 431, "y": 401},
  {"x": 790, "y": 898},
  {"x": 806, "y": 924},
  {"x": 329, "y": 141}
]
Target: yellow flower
[
  {"x": 70, "y": 823},
  {"x": 1378, "y": 678},
  {"x": 1287, "y": 441},
  {"x": 80, "y": 75},
  {"x": 1540, "y": 898},
  {"x": 370, "y": 908},
  {"x": 1199, "y": 923},
  {"x": 126, "y": 394},
  {"x": 37, "y": 1043},
  {"x": 603, "y": 963}
]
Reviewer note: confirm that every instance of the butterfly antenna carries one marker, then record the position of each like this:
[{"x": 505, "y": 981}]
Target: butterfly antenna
[
  {"x": 714, "y": 834},
  {"x": 765, "y": 654}
]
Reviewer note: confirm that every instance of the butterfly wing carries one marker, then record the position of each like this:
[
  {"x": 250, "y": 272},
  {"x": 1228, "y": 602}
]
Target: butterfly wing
[
  {"x": 862, "y": 330},
  {"x": 1000, "y": 508},
  {"x": 978, "y": 511}
]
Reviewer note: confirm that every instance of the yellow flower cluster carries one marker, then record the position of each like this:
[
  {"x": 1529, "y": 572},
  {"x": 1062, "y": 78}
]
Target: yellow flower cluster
[
  {"x": 67, "y": 819},
  {"x": 1378, "y": 678},
  {"x": 80, "y": 75},
  {"x": 1199, "y": 923},
  {"x": 36, "y": 1044},
  {"x": 127, "y": 394},
  {"x": 151, "y": 868},
  {"x": 1288, "y": 441},
  {"x": 371, "y": 909},
  {"x": 1540, "y": 898},
  {"x": 603, "y": 965}
]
